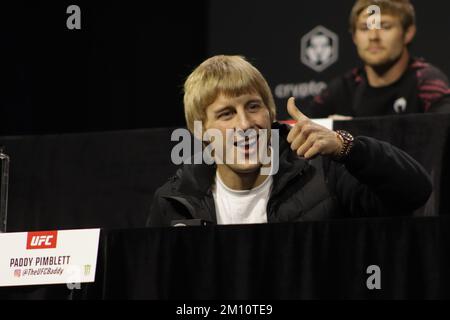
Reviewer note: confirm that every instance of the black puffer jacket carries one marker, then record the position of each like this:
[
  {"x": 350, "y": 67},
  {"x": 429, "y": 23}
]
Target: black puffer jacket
[{"x": 377, "y": 180}]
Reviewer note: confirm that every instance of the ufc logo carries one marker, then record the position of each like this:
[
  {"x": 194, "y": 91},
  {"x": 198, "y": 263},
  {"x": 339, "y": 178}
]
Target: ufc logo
[{"x": 42, "y": 240}]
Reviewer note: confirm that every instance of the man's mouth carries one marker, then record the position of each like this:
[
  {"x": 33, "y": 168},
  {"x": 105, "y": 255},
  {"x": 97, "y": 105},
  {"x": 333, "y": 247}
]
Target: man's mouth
[
  {"x": 375, "y": 49},
  {"x": 247, "y": 142}
]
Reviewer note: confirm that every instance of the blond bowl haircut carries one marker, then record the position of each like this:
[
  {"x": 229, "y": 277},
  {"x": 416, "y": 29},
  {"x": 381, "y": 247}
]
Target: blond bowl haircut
[
  {"x": 397, "y": 8},
  {"x": 228, "y": 75}
]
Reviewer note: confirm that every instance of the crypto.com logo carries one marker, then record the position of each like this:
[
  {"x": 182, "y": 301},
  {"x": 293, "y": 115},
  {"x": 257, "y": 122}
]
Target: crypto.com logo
[
  {"x": 237, "y": 147},
  {"x": 319, "y": 48},
  {"x": 42, "y": 240}
]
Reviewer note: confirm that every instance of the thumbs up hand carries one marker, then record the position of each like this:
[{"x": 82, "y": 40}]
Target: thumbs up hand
[{"x": 309, "y": 139}]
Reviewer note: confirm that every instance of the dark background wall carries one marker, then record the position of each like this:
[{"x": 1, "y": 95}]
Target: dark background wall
[{"x": 123, "y": 69}]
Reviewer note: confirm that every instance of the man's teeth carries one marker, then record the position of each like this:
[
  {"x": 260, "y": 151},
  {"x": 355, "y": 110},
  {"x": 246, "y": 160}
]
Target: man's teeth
[{"x": 244, "y": 143}]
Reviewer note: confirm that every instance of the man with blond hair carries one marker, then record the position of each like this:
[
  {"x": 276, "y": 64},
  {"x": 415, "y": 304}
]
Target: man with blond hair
[
  {"x": 320, "y": 173},
  {"x": 391, "y": 81}
]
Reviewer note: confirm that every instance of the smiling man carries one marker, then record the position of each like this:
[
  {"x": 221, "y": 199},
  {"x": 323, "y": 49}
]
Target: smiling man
[
  {"x": 321, "y": 173},
  {"x": 391, "y": 80}
]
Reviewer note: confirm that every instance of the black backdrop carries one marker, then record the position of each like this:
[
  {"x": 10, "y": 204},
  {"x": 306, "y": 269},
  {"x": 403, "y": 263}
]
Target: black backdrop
[{"x": 123, "y": 69}]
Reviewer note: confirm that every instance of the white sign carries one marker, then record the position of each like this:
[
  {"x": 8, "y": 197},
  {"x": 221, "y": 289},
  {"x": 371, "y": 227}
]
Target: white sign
[
  {"x": 48, "y": 257},
  {"x": 325, "y": 122}
]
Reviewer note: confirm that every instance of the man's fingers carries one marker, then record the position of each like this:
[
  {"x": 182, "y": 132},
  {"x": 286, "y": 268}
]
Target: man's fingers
[
  {"x": 295, "y": 130},
  {"x": 301, "y": 151},
  {"x": 293, "y": 110},
  {"x": 314, "y": 150},
  {"x": 301, "y": 138},
  {"x": 298, "y": 141}
]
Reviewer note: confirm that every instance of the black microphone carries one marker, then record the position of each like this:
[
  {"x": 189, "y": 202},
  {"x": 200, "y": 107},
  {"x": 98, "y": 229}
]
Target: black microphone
[{"x": 189, "y": 223}]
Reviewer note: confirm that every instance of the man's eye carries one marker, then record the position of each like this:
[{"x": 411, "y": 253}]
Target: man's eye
[
  {"x": 254, "y": 106},
  {"x": 363, "y": 28},
  {"x": 386, "y": 26},
  {"x": 225, "y": 114}
]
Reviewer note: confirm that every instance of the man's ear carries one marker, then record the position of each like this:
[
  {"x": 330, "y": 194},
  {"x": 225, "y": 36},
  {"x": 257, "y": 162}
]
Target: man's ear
[{"x": 410, "y": 34}]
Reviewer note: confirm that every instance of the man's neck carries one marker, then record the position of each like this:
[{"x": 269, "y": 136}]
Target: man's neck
[
  {"x": 387, "y": 75},
  {"x": 240, "y": 181}
]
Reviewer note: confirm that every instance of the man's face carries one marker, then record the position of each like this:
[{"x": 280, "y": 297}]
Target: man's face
[
  {"x": 380, "y": 47},
  {"x": 242, "y": 114}
]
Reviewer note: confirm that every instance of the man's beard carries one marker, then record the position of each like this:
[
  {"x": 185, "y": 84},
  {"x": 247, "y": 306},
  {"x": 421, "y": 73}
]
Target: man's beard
[{"x": 382, "y": 67}]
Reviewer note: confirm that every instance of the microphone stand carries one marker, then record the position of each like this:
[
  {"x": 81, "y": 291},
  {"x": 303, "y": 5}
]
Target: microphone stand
[{"x": 4, "y": 176}]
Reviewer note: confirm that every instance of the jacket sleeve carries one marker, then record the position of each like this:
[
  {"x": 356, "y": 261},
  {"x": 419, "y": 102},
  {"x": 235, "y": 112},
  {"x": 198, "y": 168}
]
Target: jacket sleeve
[
  {"x": 379, "y": 179},
  {"x": 163, "y": 211}
]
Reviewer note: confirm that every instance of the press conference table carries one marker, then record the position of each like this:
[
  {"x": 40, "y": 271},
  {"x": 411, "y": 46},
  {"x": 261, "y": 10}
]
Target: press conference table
[{"x": 304, "y": 260}]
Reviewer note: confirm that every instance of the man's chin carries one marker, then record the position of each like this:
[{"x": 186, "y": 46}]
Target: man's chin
[
  {"x": 245, "y": 168},
  {"x": 376, "y": 62},
  {"x": 381, "y": 62}
]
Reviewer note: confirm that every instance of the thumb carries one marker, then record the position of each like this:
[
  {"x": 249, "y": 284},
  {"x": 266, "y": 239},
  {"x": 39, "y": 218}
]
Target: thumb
[{"x": 293, "y": 111}]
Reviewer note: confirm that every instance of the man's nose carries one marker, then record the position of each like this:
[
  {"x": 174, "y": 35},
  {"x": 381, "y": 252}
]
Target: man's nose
[
  {"x": 374, "y": 34},
  {"x": 244, "y": 121}
]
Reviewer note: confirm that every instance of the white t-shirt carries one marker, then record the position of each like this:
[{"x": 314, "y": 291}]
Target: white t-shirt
[{"x": 241, "y": 206}]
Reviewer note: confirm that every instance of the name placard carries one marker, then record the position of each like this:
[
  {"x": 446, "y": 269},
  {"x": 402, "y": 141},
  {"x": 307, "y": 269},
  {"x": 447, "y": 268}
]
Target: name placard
[{"x": 48, "y": 257}]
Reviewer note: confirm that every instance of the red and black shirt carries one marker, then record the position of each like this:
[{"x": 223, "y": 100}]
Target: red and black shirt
[{"x": 422, "y": 88}]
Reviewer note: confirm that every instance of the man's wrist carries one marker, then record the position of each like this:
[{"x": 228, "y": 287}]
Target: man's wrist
[{"x": 347, "y": 141}]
